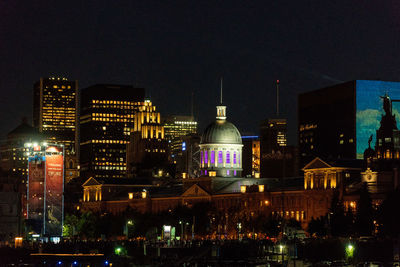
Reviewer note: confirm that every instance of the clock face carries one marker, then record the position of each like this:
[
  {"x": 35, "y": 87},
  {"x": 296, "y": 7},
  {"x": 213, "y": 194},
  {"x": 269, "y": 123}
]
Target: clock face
[{"x": 369, "y": 177}]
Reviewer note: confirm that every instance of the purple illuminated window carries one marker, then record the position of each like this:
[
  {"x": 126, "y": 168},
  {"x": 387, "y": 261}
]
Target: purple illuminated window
[
  {"x": 227, "y": 172},
  {"x": 206, "y": 157},
  {"x": 201, "y": 157},
  {"x": 220, "y": 160},
  {"x": 205, "y": 172},
  {"x": 234, "y": 172},
  {"x": 213, "y": 157},
  {"x": 228, "y": 157},
  {"x": 234, "y": 157}
]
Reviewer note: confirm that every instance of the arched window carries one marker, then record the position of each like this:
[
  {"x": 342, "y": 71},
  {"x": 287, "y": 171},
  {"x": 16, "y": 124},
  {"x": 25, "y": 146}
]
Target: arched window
[{"x": 220, "y": 159}]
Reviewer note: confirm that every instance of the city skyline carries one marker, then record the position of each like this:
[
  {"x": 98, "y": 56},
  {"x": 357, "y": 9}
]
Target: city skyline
[{"x": 173, "y": 50}]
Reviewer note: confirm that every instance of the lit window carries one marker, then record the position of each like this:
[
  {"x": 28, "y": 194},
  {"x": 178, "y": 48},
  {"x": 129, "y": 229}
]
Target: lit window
[
  {"x": 228, "y": 157},
  {"x": 212, "y": 157},
  {"x": 234, "y": 158},
  {"x": 220, "y": 159},
  {"x": 227, "y": 172},
  {"x": 206, "y": 157}
]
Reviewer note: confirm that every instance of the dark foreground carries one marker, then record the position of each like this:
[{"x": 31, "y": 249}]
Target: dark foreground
[{"x": 312, "y": 252}]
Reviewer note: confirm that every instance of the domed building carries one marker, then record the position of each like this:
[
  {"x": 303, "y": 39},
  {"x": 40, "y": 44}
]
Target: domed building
[{"x": 221, "y": 148}]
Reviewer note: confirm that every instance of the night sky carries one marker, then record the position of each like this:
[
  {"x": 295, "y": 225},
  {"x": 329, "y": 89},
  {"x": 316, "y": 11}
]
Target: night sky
[{"x": 173, "y": 48}]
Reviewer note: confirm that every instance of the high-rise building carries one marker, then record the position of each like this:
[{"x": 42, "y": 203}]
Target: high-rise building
[
  {"x": 55, "y": 111},
  {"x": 277, "y": 159},
  {"x": 273, "y": 134},
  {"x": 55, "y": 114},
  {"x": 106, "y": 120},
  {"x": 251, "y": 156},
  {"x": 176, "y": 127},
  {"x": 147, "y": 153},
  {"x": 45, "y": 194},
  {"x": 337, "y": 121}
]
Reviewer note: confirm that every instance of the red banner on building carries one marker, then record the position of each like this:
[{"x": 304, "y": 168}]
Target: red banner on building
[
  {"x": 54, "y": 193},
  {"x": 36, "y": 187}
]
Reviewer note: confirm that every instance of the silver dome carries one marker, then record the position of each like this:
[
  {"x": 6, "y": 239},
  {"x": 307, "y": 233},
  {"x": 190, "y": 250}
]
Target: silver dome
[{"x": 221, "y": 132}]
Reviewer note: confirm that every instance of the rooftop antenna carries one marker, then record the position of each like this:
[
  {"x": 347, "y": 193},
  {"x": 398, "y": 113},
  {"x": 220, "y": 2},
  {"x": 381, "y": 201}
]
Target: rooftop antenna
[
  {"x": 191, "y": 106},
  {"x": 221, "y": 89},
  {"x": 277, "y": 98}
]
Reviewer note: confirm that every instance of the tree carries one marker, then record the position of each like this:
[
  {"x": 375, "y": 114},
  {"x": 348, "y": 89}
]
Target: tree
[
  {"x": 70, "y": 227},
  {"x": 317, "y": 226},
  {"x": 87, "y": 225},
  {"x": 389, "y": 218},
  {"x": 341, "y": 223},
  {"x": 365, "y": 213}
]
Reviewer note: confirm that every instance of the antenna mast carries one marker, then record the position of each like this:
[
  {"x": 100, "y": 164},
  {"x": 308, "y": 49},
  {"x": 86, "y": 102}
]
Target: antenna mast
[
  {"x": 221, "y": 89},
  {"x": 277, "y": 98},
  {"x": 191, "y": 108}
]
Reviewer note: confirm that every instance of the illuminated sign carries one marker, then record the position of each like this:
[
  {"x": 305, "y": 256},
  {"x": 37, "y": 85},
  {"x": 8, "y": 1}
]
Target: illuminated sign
[{"x": 183, "y": 146}]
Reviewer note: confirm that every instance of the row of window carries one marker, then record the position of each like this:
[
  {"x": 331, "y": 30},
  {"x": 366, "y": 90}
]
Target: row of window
[
  {"x": 110, "y": 168},
  {"x": 235, "y": 157}
]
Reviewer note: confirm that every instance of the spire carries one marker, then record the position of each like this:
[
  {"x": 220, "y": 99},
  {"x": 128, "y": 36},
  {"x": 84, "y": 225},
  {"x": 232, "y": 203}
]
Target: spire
[
  {"x": 221, "y": 109},
  {"x": 221, "y": 90}
]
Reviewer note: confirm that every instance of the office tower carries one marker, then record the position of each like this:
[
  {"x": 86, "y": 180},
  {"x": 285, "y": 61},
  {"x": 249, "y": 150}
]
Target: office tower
[
  {"x": 277, "y": 159},
  {"x": 45, "y": 194},
  {"x": 176, "y": 127},
  {"x": 147, "y": 153},
  {"x": 55, "y": 106},
  {"x": 273, "y": 134},
  {"x": 55, "y": 114},
  {"x": 337, "y": 121},
  {"x": 106, "y": 120},
  {"x": 251, "y": 156}
]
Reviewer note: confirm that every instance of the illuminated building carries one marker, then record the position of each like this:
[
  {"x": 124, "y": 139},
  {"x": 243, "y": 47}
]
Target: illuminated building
[
  {"x": 45, "y": 194},
  {"x": 55, "y": 114},
  {"x": 14, "y": 157},
  {"x": 147, "y": 153},
  {"x": 273, "y": 134},
  {"x": 175, "y": 128},
  {"x": 251, "y": 156},
  {"x": 337, "y": 121},
  {"x": 106, "y": 120},
  {"x": 221, "y": 148}
]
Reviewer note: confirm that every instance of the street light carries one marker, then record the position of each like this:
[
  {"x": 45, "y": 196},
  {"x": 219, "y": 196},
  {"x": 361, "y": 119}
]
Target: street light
[{"x": 349, "y": 250}]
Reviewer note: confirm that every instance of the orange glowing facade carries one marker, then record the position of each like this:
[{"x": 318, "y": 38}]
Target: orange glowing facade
[{"x": 147, "y": 146}]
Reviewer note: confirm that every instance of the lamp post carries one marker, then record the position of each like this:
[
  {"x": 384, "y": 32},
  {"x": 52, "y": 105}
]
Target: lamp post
[{"x": 181, "y": 223}]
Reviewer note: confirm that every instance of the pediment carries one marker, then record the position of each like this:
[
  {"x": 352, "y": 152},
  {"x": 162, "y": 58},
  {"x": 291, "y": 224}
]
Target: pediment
[
  {"x": 91, "y": 181},
  {"x": 317, "y": 163},
  {"x": 195, "y": 191}
]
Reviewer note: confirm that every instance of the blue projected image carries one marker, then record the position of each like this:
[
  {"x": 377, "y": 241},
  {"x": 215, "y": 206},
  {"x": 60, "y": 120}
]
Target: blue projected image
[{"x": 369, "y": 109}]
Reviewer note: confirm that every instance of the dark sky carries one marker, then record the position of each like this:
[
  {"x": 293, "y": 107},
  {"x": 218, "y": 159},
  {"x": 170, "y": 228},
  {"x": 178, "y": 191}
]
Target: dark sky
[{"x": 173, "y": 48}]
